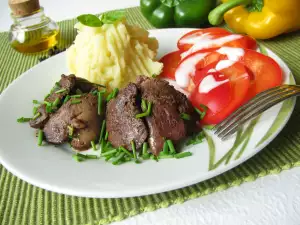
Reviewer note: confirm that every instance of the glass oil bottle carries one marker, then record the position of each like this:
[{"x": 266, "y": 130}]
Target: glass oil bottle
[{"x": 32, "y": 30}]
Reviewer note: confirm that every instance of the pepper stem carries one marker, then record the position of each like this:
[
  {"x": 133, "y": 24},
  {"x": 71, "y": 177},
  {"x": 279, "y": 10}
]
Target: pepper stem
[{"x": 215, "y": 17}]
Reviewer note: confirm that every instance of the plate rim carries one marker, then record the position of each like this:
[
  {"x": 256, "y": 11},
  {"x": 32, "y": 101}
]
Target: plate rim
[{"x": 178, "y": 185}]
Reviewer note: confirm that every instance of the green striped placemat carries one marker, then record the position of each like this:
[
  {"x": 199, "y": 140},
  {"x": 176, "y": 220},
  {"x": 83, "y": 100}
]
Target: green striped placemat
[{"x": 21, "y": 203}]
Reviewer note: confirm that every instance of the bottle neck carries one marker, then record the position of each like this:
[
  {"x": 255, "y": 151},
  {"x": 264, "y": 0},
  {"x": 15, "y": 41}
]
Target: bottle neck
[{"x": 37, "y": 18}]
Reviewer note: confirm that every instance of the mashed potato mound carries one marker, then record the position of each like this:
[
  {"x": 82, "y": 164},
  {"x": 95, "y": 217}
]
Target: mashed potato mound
[{"x": 113, "y": 54}]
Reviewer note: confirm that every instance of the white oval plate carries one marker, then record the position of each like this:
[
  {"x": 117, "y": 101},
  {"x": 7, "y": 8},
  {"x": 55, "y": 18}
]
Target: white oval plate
[{"x": 52, "y": 168}]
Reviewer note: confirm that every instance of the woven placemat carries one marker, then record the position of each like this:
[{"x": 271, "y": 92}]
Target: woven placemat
[{"x": 22, "y": 203}]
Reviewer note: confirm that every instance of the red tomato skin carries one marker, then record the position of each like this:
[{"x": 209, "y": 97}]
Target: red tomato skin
[
  {"x": 198, "y": 32},
  {"x": 245, "y": 42},
  {"x": 170, "y": 61},
  {"x": 222, "y": 101}
]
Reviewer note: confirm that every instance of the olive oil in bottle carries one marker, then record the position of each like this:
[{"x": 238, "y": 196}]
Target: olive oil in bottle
[{"x": 32, "y": 30}]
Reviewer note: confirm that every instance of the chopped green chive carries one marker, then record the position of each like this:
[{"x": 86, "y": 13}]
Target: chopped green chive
[
  {"x": 40, "y": 137},
  {"x": 23, "y": 120},
  {"x": 102, "y": 130},
  {"x": 93, "y": 145},
  {"x": 36, "y": 115},
  {"x": 203, "y": 112},
  {"x": 75, "y": 96},
  {"x": 47, "y": 95},
  {"x": 109, "y": 152},
  {"x": 185, "y": 116},
  {"x": 67, "y": 98},
  {"x": 56, "y": 103},
  {"x": 109, "y": 157},
  {"x": 102, "y": 91},
  {"x": 166, "y": 148},
  {"x": 112, "y": 95},
  {"x": 75, "y": 102},
  {"x": 154, "y": 158},
  {"x": 182, "y": 155},
  {"x": 48, "y": 108},
  {"x": 144, "y": 105},
  {"x": 145, "y": 148},
  {"x": 147, "y": 113},
  {"x": 99, "y": 103},
  {"x": 118, "y": 159},
  {"x": 146, "y": 156},
  {"x": 171, "y": 147},
  {"x": 78, "y": 158},
  {"x": 126, "y": 151},
  {"x": 106, "y": 136},
  {"x": 34, "y": 110},
  {"x": 165, "y": 156},
  {"x": 196, "y": 138},
  {"x": 94, "y": 92},
  {"x": 35, "y": 102},
  {"x": 134, "y": 151},
  {"x": 47, "y": 103},
  {"x": 60, "y": 91}
]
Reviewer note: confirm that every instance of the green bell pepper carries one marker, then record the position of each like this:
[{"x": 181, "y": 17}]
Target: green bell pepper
[{"x": 177, "y": 13}]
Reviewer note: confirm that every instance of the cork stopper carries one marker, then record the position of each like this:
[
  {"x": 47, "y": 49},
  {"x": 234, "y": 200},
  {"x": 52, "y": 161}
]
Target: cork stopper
[{"x": 23, "y": 7}]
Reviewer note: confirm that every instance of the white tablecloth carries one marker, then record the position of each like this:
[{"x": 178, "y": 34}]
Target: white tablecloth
[{"x": 271, "y": 200}]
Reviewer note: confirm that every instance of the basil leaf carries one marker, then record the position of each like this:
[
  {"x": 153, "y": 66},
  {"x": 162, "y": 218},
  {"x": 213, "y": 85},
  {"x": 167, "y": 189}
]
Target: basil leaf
[
  {"x": 172, "y": 3},
  {"x": 90, "y": 20},
  {"x": 112, "y": 17}
]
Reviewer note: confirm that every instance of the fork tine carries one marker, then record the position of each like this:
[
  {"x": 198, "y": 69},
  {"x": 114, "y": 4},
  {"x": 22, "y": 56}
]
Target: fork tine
[
  {"x": 250, "y": 116},
  {"x": 231, "y": 130},
  {"x": 263, "y": 96}
]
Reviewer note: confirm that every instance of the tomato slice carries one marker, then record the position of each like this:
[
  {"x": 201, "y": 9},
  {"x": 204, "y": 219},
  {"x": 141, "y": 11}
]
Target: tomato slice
[
  {"x": 222, "y": 91},
  {"x": 184, "y": 45},
  {"x": 264, "y": 72},
  {"x": 170, "y": 62},
  {"x": 213, "y": 38}
]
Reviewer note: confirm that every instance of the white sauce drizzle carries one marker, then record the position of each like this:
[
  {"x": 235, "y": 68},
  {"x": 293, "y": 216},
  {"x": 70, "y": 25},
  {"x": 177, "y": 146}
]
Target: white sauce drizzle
[
  {"x": 233, "y": 54},
  {"x": 209, "y": 83},
  {"x": 186, "y": 69},
  {"x": 223, "y": 64},
  {"x": 206, "y": 41}
]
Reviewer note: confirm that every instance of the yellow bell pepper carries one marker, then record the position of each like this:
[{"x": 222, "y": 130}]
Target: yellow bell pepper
[{"x": 261, "y": 19}]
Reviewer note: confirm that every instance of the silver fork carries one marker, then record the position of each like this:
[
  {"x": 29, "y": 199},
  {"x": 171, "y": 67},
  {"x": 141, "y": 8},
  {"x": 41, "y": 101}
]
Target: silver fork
[{"x": 253, "y": 108}]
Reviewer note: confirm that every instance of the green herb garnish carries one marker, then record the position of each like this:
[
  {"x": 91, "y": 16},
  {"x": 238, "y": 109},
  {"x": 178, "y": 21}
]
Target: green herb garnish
[
  {"x": 40, "y": 137},
  {"x": 144, "y": 105},
  {"x": 34, "y": 110},
  {"x": 90, "y": 20},
  {"x": 166, "y": 148},
  {"x": 126, "y": 151},
  {"x": 147, "y": 113},
  {"x": 171, "y": 147},
  {"x": 196, "y": 138},
  {"x": 202, "y": 113},
  {"x": 185, "y": 116},
  {"x": 182, "y": 155},
  {"x": 118, "y": 159},
  {"x": 36, "y": 115},
  {"x": 102, "y": 130},
  {"x": 112, "y": 95},
  {"x": 163, "y": 156},
  {"x": 60, "y": 91},
  {"x": 112, "y": 17},
  {"x": 75, "y": 102},
  {"x": 56, "y": 103},
  {"x": 75, "y": 96},
  {"x": 71, "y": 131},
  {"x": 67, "y": 98},
  {"x": 23, "y": 120},
  {"x": 35, "y": 102},
  {"x": 93, "y": 145},
  {"x": 108, "y": 153},
  {"x": 134, "y": 151},
  {"x": 106, "y": 136}
]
